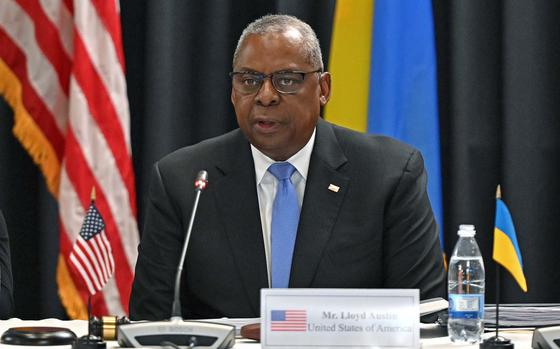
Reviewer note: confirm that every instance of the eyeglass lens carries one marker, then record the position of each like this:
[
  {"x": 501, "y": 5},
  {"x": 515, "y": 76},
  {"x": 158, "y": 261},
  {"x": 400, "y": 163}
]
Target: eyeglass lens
[{"x": 283, "y": 82}]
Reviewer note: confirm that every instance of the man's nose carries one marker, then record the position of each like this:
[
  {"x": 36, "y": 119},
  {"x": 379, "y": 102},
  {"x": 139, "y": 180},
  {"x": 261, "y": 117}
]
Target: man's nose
[{"x": 267, "y": 94}]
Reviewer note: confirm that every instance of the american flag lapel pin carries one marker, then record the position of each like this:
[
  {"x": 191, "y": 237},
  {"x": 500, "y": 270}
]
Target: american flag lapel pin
[{"x": 334, "y": 188}]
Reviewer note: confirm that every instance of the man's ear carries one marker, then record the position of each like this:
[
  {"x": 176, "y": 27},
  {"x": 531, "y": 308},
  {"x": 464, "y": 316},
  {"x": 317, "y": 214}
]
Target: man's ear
[{"x": 325, "y": 84}]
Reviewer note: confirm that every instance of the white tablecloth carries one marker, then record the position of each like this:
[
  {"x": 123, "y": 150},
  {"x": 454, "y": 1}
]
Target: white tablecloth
[{"x": 521, "y": 338}]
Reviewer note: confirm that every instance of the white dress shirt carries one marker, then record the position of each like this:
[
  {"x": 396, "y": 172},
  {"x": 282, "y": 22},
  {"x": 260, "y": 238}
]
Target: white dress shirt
[{"x": 267, "y": 184}]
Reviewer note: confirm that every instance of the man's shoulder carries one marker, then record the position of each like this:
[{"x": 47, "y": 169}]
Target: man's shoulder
[{"x": 359, "y": 143}]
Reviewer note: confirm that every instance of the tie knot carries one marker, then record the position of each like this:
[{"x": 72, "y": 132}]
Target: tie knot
[{"x": 282, "y": 170}]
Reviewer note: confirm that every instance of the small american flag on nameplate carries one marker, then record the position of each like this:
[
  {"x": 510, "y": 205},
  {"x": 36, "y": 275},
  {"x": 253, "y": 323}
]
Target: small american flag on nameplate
[
  {"x": 91, "y": 254},
  {"x": 288, "y": 320}
]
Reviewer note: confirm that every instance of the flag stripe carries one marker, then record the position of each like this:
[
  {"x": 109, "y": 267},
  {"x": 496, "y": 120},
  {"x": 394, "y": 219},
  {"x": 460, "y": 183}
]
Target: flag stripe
[
  {"x": 87, "y": 251},
  {"x": 84, "y": 261},
  {"x": 64, "y": 25},
  {"x": 94, "y": 37},
  {"x": 383, "y": 60},
  {"x": 349, "y": 64},
  {"x": 506, "y": 249},
  {"x": 80, "y": 174},
  {"x": 403, "y": 87},
  {"x": 16, "y": 60},
  {"x": 103, "y": 113},
  {"x": 79, "y": 261},
  {"x": 108, "y": 177},
  {"x": 83, "y": 180},
  {"x": 98, "y": 258},
  {"x": 27, "y": 131},
  {"x": 70, "y": 202},
  {"x": 108, "y": 253},
  {"x": 38, "y": 73},
  {"x": 101, "y": 254},
  {"x": 108, "y": 13},
  {"x": 504, "y": 253},
  {"x": 48, "y": 40},
  {"x": 112, "y": 297},
  {"x": 70, "y": 6},
  {"x": 72, "y": 210},
  {"x": 76, "y": 263},
  {"x": 504, "y": 222}
]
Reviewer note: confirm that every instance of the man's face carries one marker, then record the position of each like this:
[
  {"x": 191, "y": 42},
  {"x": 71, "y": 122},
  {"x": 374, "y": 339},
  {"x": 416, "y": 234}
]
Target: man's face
[{"x": 279, "y": 125}]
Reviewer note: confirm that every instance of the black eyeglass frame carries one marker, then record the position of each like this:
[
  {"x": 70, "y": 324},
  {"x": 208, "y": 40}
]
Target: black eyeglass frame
[{"x": 261, "y": 77}]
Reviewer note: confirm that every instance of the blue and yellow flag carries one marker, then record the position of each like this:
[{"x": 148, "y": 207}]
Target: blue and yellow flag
[
  {"x": 506, "y": 249},
  {"x": 383, "y": 66}
]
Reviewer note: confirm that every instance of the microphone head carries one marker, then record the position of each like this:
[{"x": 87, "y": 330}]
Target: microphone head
[{"x": 201, "y": 180}]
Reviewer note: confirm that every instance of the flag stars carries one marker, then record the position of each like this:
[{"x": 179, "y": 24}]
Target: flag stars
[{"x": 93, "y": 224}]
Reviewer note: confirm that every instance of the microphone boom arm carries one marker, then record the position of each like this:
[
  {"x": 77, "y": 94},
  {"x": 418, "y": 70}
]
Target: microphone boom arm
[
  {"x": 176, "y": 331},
  {"x": 200, "y": 185}
]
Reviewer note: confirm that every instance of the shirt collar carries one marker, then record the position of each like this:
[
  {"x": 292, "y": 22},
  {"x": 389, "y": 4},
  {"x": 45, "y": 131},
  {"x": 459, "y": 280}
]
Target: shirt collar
[{"x": 299, "y": 160}]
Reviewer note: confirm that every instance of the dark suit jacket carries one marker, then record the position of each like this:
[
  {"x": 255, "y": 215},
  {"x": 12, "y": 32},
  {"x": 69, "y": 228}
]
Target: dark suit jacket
[
  {"x": 6, "y": 289},
  {"x": 377, "y": 231}
]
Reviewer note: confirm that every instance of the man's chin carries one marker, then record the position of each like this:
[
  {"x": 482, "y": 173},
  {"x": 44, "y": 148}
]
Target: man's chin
[{"x": 273, "y": 151}]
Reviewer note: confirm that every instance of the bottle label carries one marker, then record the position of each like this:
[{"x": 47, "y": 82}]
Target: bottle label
[{"x": 466, "y": 306}]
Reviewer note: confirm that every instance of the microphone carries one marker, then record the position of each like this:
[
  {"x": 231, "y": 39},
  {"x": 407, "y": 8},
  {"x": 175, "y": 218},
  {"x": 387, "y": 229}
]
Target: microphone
[
  {"x": 199, "y": 185},
  {"x": 176, "y": 331}
]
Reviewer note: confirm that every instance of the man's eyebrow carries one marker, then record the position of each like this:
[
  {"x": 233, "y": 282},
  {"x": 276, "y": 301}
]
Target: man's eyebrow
[
  {"x": 247, "y": 70},
  {"x": 253, "y": 71},
  {"x": 288, "y": 71}
]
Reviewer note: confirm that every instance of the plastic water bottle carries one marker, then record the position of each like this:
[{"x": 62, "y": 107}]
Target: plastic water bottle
[{"x": 466, "y": 289}]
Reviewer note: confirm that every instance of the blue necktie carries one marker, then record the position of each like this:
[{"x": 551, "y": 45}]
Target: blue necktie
[{"x": 285, "y": 218}]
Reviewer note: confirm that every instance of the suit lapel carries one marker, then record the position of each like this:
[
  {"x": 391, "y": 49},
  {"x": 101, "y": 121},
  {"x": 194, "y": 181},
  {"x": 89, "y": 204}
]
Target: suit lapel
[
  {"x": 321, "y": 205},
  {"x": 237, "y": 202}
]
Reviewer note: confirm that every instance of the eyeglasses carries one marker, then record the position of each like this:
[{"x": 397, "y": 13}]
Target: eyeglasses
[{"x": 285, "y": 82}]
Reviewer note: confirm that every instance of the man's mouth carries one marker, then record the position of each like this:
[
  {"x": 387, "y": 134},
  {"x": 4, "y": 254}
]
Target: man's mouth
[
  {"x": 266, "y": 123},
  {"x": 267, "y": 126}
]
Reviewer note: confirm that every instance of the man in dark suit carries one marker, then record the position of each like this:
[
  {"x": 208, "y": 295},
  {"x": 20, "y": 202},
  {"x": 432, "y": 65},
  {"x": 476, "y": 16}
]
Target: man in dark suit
[
  {"x": 365, "y": 220},
  {"x": 6, "y": 289}
]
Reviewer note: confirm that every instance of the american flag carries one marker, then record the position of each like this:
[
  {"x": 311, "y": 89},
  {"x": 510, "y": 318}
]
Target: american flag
[
  {"x": 62, "y": 72},
  {"x": 92, "y": 256},
  {"x": 288, "y": 320}
]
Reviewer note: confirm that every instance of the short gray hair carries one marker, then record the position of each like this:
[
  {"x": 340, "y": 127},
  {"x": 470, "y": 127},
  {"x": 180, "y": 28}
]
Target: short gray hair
[{"x": 280, "y": 24}]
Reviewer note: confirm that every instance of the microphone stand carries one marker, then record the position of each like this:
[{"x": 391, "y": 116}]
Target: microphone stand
[
  {"x": 176, "y": 331},
  {"x": 199, "y": 186}
]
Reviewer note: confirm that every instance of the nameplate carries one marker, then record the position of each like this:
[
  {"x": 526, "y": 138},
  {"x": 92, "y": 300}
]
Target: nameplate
[{"x": 340, "y": 318}]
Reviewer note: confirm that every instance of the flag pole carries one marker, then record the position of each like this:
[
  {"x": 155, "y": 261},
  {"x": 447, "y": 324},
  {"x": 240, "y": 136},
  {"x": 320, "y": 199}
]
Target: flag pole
[
  {"x": 497, "y": 299},
  {"x": 497, "y": 342},
  {"x": 498, "y": 197},
  {"x": 89, "y": 315},
  {"x": 92, "y": 197}
]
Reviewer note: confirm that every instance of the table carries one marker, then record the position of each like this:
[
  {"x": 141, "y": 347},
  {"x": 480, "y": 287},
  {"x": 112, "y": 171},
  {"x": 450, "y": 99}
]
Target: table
[{"x": 521, "y": 338}]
